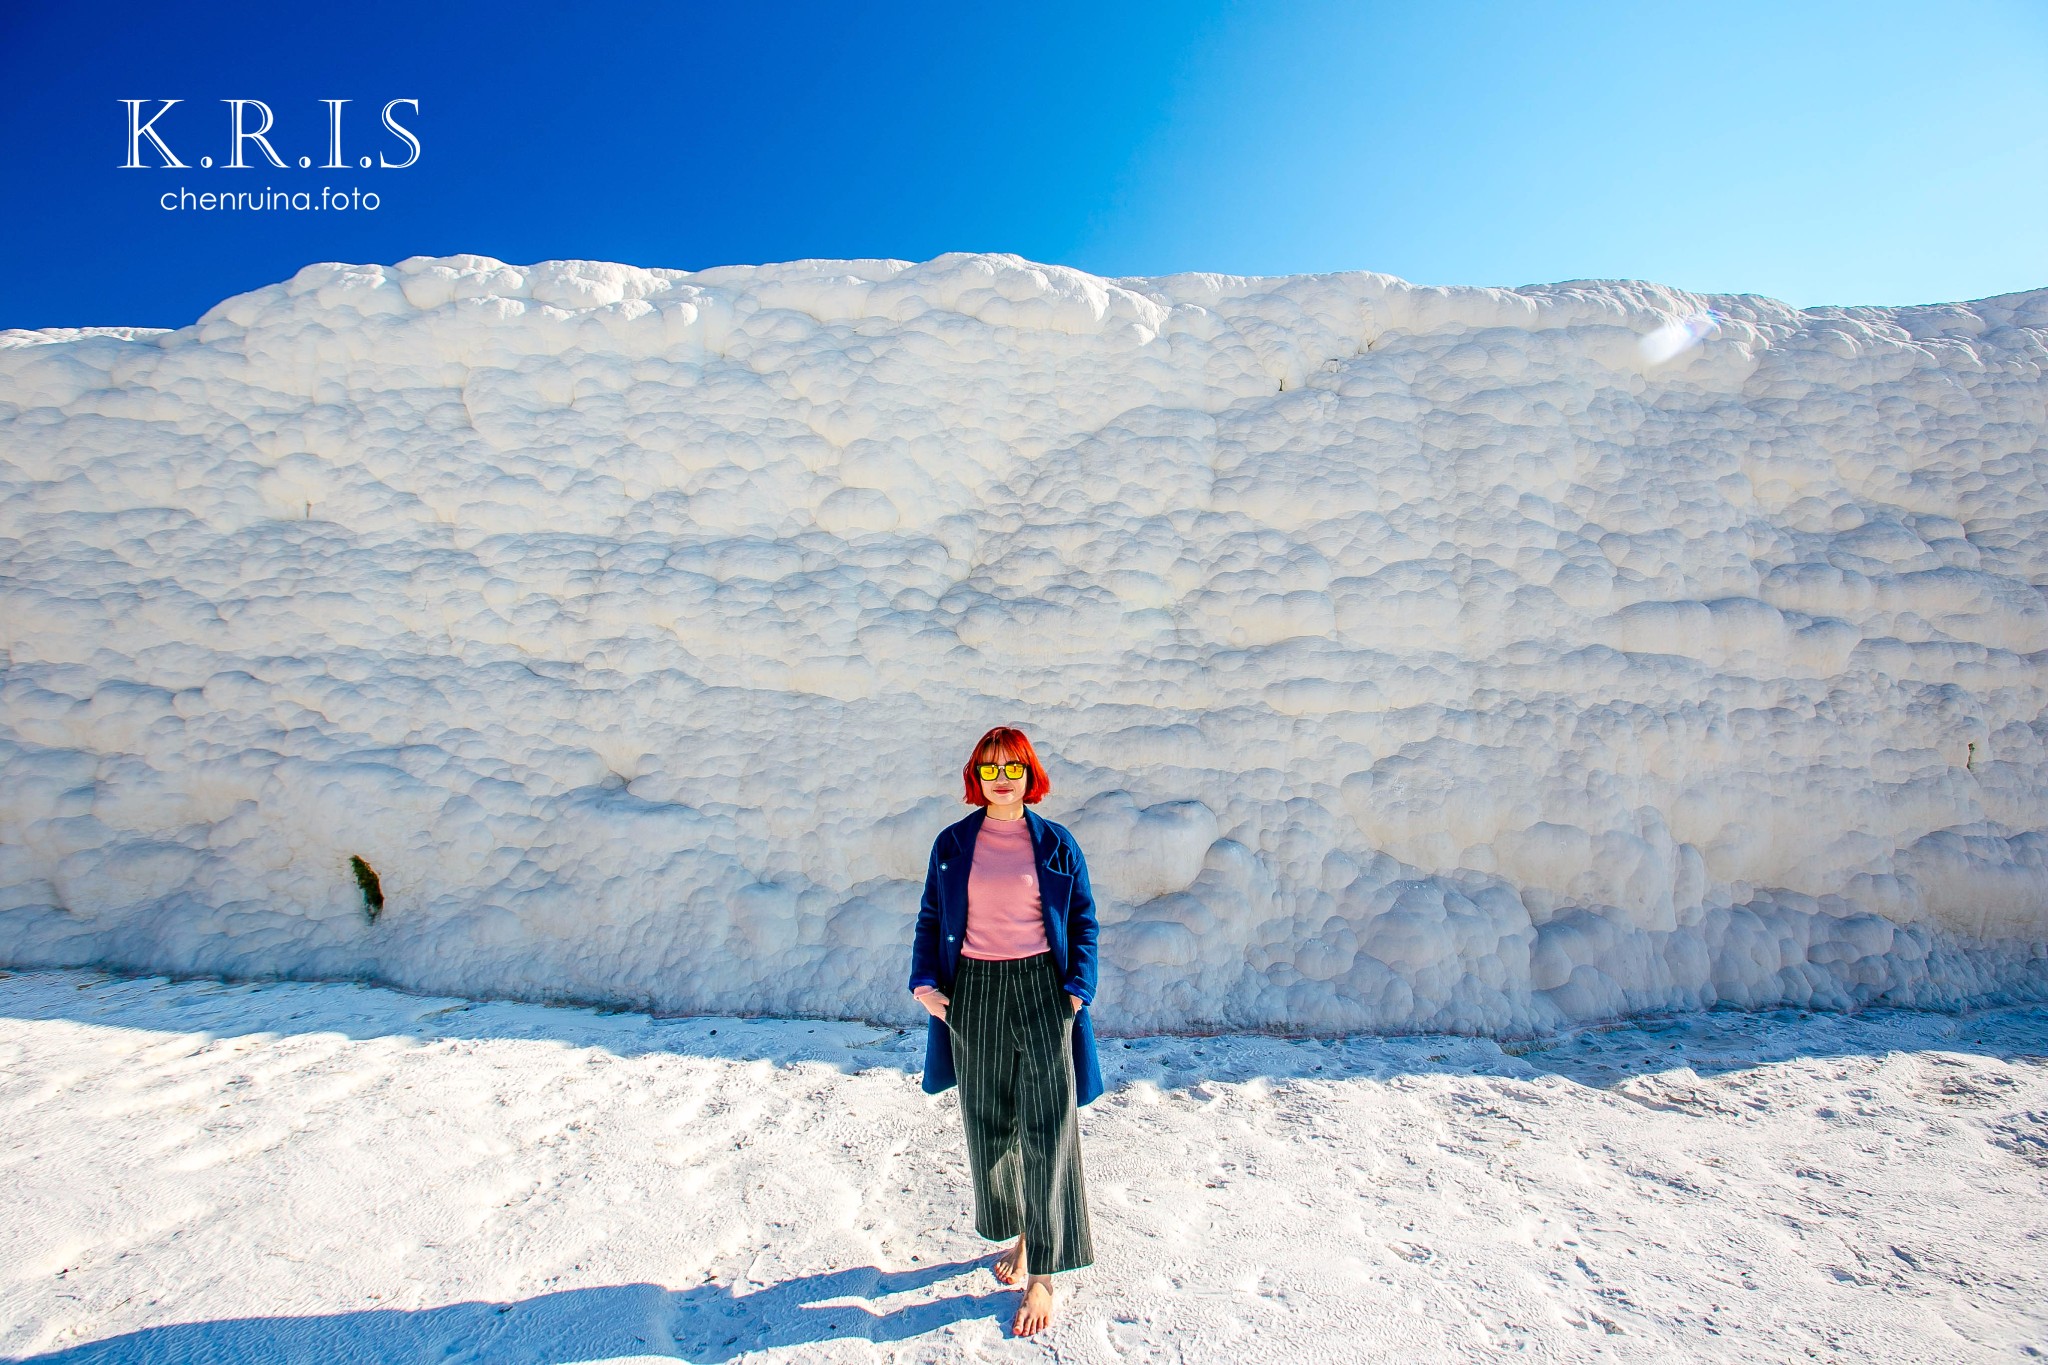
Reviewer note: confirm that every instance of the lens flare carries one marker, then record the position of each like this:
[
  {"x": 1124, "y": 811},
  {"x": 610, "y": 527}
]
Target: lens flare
[{"x": 1680, "y": 335}]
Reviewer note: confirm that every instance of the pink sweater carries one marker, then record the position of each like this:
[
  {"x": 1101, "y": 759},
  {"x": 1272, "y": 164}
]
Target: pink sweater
[{"x": 1004, "y": 919}]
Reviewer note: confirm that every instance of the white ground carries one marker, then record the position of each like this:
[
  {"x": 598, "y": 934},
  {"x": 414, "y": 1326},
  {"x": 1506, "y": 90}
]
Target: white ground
[{"x": 197, "y": 1171}]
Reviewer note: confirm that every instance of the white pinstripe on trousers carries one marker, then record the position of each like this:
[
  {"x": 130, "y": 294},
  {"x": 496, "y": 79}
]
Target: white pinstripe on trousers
[{"x": 1012, "y": 1030}]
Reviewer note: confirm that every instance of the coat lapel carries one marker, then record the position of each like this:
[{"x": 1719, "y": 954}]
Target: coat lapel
[
  {"x": 959, "y": 860},
  {"x": 1055, "y": 886}
]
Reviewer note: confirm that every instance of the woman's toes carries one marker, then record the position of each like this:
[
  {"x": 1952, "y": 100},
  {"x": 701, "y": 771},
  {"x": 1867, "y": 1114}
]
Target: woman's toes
[{"x": 1035, "y": 1312}]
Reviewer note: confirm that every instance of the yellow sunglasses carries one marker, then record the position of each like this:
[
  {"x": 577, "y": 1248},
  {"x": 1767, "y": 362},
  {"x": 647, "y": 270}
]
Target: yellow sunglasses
[{"x": 1012, "y": 770}]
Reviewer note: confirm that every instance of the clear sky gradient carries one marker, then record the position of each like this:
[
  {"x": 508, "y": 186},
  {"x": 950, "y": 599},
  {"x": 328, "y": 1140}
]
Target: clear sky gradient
[{"x": 1871, "y": 152}]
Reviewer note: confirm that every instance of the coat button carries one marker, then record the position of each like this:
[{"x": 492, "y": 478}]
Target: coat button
[
  {"x": 951, "y": 937},
  {"x": 942, "y": 867}
]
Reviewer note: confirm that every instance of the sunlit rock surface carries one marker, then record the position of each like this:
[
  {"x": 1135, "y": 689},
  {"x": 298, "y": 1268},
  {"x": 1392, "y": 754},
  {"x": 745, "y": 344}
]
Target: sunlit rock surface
[{"x": 1405, "y": 658}]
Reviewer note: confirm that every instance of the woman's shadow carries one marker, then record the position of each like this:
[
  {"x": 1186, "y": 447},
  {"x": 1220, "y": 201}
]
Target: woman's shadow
[{"x": 708, "y": 1323}]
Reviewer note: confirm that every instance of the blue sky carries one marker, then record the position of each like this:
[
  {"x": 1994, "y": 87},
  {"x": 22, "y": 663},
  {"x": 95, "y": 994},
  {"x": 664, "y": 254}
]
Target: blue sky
[{"x": 1816, "y": 152}]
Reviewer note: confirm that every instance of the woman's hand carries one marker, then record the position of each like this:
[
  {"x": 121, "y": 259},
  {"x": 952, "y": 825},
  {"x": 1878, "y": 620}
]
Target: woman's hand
[
  {"x": 935, "y": 1001},
  {"x": 1077, "y": 1001}
]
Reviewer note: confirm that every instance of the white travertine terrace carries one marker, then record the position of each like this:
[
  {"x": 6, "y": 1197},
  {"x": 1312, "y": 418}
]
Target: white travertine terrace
[{"x": 1406, "y": 658}]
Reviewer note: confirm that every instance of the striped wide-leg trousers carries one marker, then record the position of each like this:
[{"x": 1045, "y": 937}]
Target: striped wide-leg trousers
[{"x": 1012, "y": 1032}]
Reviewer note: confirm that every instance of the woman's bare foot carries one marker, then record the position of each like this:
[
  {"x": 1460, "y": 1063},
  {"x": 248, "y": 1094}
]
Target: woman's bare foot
[
  {"x": 1036, "y": 1310},
  {"x": 1010, "y": 1264}
]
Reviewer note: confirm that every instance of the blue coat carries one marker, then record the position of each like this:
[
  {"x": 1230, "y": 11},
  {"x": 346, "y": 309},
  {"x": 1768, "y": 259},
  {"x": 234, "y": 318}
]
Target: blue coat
[{"x": 1070, "y": 929}]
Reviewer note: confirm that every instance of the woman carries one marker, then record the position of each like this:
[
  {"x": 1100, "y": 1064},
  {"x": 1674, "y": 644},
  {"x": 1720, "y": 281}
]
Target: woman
[{"x": 1004, "y": 960}]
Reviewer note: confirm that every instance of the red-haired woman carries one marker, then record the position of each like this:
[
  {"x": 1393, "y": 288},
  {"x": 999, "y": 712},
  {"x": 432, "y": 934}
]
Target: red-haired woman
[{"x": 1004, "y": 959}]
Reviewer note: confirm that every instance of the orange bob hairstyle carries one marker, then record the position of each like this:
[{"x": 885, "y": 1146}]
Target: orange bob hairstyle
[{"x": 998, "y": 744}]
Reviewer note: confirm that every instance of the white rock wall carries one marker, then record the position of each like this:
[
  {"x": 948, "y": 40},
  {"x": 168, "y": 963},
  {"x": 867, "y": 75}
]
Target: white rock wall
[{"x": 1404, "y": 657}]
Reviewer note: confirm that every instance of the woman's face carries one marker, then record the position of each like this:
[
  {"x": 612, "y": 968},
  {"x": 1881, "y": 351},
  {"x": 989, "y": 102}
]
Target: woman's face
[{"x": 1002, "y": 789}]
